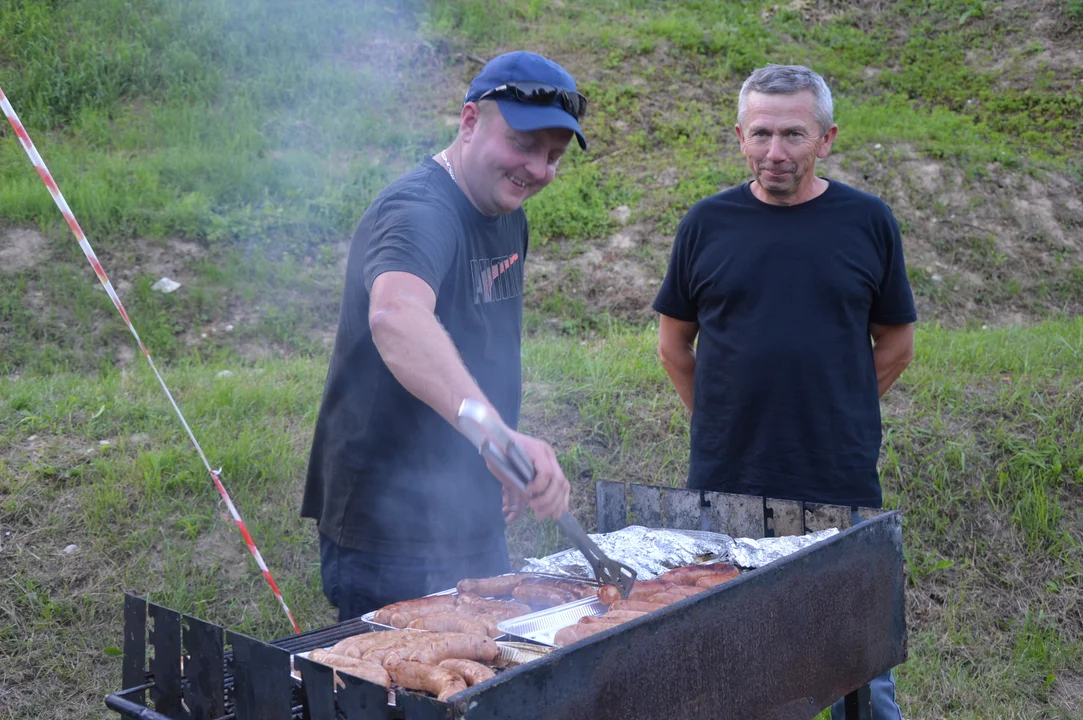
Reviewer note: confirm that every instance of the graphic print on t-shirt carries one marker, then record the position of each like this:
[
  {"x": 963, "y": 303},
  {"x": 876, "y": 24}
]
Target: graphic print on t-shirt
[{"x": 498, "y": 278}]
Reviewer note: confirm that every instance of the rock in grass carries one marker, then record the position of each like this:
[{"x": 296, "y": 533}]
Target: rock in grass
[{"x": 165, "y": 285}]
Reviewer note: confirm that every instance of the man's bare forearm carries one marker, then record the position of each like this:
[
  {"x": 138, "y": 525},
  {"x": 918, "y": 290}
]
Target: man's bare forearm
[
  {"x": 681, "y": 368},
  {"x": 422, "y": 357},
  {"x": 891, "y": 355}
]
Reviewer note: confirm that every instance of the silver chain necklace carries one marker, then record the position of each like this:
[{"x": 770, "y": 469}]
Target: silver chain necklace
[{"x": 443, "y": 154}]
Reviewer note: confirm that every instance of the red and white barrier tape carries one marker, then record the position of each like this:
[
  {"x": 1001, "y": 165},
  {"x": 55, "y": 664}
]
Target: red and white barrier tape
[{"x": 47, "y": 178}]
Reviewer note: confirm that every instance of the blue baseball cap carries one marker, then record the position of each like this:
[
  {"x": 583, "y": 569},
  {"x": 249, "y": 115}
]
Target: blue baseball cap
[{"x": 543, "y": 110}]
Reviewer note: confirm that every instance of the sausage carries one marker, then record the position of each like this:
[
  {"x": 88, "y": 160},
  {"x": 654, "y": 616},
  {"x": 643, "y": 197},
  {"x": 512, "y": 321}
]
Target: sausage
[
  {"x": 364, "y": 669},
  {"x": 640, "y": 605},
  {"x": 470, "y": 671},
  {"x": 355, "y": 645},
  {"x": 377, "y": 652},
  {"x": 384, "y": 614},
  {"x": 577, "y": 632},
  {"x": 481, "y": 648},
  {"x": 415, "y": 641},
  {"x": 643, "y": 590},
  {"x": 449, "y": 622},
  {"x": 715, "y": 580},
  {"x": 443, "y": 646},
  {"x": 487, "y": 619},
  {"x": 684, "y": 590},
  {"x": 541, "y": 596},
  {"x": 499, "y": 608},
  {"x": 690, "y": 574},
  {"x": 364, "y": 650},
  {"x": 491, "y": 586},
  {"x": 666, "y": 598},
  {"x": 403, "y": 618},
  {"x": 578, "y": 589},
  {"x": 433, "y": 679},
  {"x": 608, "y": 594}
]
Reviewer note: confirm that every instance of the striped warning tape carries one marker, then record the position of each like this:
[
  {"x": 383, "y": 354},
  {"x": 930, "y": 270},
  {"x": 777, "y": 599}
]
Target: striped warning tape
[{"x": 92, "y": 258}]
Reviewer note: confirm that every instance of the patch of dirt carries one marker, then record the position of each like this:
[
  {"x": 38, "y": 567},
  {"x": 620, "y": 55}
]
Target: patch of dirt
[
  {"x": 222, "y": 549},
  {"x": 1018, "y": 67},
  {"x": 53, "y": 450},
  {"x": 1039, "y": 45},
  {"x": 612, "y": 277},
  {"x": 156, "y": 258},
  {"x": 1004, "y": 236},
  {"x": 22, "y": 248}
]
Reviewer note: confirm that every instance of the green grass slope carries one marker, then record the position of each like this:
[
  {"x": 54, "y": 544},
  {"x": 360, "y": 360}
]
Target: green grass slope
[{"x": 233, "y": 145}]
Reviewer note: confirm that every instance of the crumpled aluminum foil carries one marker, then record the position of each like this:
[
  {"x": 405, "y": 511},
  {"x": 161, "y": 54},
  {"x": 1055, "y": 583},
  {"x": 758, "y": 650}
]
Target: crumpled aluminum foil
[
  {"x": 653, "y": 551},
  {"x": 751, "y": 554},
  {"x": 648, "y": 551}
]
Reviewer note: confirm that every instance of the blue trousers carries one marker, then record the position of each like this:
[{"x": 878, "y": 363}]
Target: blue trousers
[
  {"x": 357, "y": 582},
  {"x": 884, "y": 707}
]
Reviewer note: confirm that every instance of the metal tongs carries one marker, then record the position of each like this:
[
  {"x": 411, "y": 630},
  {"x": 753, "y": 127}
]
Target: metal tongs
[{"x": 513, "y": 467}]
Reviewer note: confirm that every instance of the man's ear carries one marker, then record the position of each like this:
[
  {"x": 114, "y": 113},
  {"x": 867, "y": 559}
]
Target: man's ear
[
  {"x": 829, "y": 137},
  {"x": 469, "y": 120}
]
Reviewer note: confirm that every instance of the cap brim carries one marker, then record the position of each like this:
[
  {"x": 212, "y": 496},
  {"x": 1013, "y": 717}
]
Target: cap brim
[{"x": 528, "y": 118}]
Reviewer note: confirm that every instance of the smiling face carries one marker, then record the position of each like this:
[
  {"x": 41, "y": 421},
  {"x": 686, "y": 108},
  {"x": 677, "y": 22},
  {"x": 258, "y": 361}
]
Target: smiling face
[
  {"x": 781, "y": 139},
  {"x": 502, "y": 167}
]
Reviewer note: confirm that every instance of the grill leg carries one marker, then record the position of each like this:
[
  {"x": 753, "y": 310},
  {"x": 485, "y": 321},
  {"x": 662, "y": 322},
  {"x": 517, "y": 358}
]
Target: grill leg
[{"x": 859, "y": 704}]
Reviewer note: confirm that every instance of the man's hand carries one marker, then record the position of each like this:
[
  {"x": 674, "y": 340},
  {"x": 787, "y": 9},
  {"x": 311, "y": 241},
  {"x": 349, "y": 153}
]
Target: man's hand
[
  {"x": 548, "y": 493},
  {"x": 513, "y": 504}
]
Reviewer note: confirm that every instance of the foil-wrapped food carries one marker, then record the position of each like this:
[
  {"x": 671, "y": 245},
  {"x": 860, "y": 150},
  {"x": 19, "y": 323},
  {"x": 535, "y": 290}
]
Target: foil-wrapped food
[
  {"x": 749, "y": 554},
  {"x": 653, "y": 551}
]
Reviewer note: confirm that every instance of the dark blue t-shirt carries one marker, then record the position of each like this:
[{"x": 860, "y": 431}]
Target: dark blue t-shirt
[
  {"x": 786, "y": 399},
  {"x": 386, "y": 473}
]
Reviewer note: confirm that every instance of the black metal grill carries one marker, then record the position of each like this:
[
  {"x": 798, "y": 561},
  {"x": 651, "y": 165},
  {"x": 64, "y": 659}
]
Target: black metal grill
[{"x": 780, "y": 642}]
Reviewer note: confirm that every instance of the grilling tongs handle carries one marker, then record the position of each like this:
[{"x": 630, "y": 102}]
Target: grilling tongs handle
[{"x": 514, "y": 468}]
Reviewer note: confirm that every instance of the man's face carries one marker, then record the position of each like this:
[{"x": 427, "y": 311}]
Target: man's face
[
  {"x": 503, "y": 167},
  {"x": 781, "y": 140}
]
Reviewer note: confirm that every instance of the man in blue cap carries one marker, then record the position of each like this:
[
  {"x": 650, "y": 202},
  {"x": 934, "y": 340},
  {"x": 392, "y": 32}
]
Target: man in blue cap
[{"x": 431, "y": 315}]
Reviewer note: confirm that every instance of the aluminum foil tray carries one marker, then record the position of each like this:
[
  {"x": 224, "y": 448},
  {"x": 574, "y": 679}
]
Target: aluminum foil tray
[
  {"x": 517, "y": 653},
  {"x": 542, "y": 626}
]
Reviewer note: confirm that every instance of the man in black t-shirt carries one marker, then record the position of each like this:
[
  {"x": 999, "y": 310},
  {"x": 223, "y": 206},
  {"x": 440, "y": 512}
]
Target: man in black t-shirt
[
  {"x": 431, "y": 315},
  {"x": 783, "y": 280}
]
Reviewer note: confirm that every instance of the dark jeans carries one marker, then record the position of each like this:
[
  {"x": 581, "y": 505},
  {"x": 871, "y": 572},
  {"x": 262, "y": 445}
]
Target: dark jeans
[{"x": 357, "y": 582}]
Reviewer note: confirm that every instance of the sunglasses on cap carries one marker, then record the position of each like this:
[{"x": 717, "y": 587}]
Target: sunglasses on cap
[{"x": 535, "y": 93}]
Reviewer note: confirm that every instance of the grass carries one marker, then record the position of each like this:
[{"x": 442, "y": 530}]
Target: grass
[
  {"x": 233, "y": 145},
  {"x": 263, "y": 136},
  {"x": 988, "y": 473}
]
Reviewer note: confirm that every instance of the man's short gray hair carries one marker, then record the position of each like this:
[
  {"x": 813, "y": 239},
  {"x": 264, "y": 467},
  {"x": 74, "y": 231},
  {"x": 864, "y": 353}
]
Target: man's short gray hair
[{"x": 786, "y": 80}]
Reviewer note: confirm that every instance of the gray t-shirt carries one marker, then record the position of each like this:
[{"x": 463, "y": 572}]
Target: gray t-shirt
[{"x": 386, "y": 473}]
